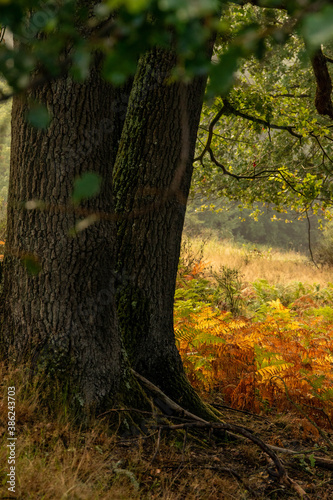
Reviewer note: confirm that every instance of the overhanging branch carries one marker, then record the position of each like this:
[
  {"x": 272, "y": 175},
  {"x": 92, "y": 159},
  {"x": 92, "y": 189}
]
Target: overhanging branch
[{"x": 231, "y": 109}]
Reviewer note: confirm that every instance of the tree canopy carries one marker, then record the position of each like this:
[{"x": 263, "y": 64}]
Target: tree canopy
[{"x": 52, "y": 39}]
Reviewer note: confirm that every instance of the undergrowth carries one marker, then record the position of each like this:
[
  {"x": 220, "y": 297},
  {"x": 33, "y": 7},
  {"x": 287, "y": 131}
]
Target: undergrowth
[{"x": 263, "y": 347}]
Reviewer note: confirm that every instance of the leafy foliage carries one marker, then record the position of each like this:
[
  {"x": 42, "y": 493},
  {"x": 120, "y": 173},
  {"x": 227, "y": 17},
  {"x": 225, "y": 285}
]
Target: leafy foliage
[
  {"x": 231, "y": 220},
  {"x": 265, "y": 140},
  {"x": 47, "y": 30}
]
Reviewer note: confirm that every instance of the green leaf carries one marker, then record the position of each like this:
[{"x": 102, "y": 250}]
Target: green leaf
[
  {"x": 222, "y": 74},
  {"x": 38, "y": 116},
  {"x": 119, "y": 65},
  {"x": 318, "y": 28},
  {"x": 86, "y": 186},
  {"x": 312, "y": 460},
  {"x": 32, "y": 264},
  {"x": 81, "y": 64}
]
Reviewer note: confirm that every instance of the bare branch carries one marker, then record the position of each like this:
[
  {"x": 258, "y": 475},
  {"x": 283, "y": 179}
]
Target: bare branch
[
  {"x": 293, "y": 96},
  {"x": 321, "y": 147},
  {"x": 2, "y": 33},
  {"x": 212, "y": 124},
  {"x": 225, "y": 138},
  {"x": 231, "y": 109},
  {"x": 328, "y": 59}
]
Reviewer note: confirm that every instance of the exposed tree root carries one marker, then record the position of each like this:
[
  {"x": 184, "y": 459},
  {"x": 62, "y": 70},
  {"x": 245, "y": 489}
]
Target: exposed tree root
[
  {"x": 282, "y": 474},
  {"x": 321, "y": 462},
  {"x": 162, "y": 401},
  {"x": 177, "y": 386},
  {"x": 233, "y": 430}
]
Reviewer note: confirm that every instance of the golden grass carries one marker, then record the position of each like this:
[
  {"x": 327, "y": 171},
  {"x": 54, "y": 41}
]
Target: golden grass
[{"x": 259, "y": 263}]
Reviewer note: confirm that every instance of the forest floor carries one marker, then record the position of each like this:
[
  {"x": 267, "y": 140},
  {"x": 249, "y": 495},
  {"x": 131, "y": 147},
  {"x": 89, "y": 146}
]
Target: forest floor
[{"x": 56, "y": 460}]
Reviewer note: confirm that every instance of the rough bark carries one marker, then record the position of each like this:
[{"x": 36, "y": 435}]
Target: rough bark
[
  {"x": 152, "y": 178},
  {"x": 323, "y": 100},
  {"x": 63, "y": 319}
]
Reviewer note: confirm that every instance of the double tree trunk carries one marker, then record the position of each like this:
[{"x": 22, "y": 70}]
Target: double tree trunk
[
  {"x": 63, "y": 319},
  {"x": 152, "y": 178}
]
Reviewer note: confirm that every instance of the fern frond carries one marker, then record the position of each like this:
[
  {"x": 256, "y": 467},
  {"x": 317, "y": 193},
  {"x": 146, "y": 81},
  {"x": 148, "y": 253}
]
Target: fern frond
[{"x": 269, "y": 371}]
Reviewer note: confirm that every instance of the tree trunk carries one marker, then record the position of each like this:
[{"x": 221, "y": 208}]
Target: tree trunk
[
  {"x": 152, "y": 178},
  {"x": 63, "y": 319}
]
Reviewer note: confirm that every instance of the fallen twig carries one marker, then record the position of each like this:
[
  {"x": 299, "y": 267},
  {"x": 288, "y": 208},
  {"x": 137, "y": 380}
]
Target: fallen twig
[
  {"x": 323, "y": 463},
  {"x": 157, "y": 444}
]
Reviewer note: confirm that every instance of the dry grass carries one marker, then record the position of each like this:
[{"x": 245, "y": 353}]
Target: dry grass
[
  {"x": 55, "y": 460},
  {"x": 259, "y": 263}
]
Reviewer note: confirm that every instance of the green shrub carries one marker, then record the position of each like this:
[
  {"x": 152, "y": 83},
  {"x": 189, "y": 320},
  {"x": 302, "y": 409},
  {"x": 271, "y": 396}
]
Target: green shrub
[{"x": 229, "y": 285}]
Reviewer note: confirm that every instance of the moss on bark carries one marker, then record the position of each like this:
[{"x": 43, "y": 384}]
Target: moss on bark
[{"x": 151, "y": 182}]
